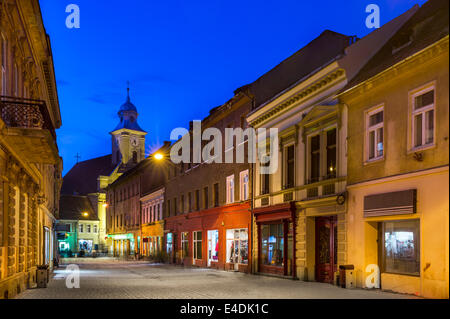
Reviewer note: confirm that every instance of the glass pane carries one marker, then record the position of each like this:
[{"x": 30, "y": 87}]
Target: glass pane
[
  {"x": 380, "y": 142},
  {"x": 376, "y": 118},
  {"x": 418, "y": 130},
  {"x": 429, "y": 122},
  {"x": 371, "y": 144},
  {"x": 401, "y": 247},
  {"x": 424, "y": 100}
]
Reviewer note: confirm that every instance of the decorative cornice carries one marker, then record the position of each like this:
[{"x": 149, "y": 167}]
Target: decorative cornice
[{"x": 326, "y": 80}]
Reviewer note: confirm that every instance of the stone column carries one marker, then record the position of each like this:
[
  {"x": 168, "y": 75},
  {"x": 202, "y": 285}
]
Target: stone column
[
  {"x": 342, "y": 238},
  {"x": 12, "y": 254},
  {"x": 300, "y": 245}
]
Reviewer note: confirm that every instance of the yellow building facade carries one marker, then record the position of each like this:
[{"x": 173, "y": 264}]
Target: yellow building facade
[
  {"x": 398, "y": 161},
  {"x": 30, "y": 166}
]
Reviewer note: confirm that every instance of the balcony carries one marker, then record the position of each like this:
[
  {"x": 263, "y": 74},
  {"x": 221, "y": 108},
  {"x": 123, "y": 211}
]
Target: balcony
[{"x": 26, "y": 126}]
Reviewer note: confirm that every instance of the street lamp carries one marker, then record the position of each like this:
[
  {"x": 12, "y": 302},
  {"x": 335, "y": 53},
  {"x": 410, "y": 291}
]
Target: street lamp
[
  {"x": 85, "y": 214},
  {"x": 158, "y": 156}
]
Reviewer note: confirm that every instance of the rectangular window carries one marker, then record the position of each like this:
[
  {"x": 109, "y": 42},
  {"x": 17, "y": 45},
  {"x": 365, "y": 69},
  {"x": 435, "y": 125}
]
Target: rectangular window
[
  {"x": 289, "y": 166},
  {"x": 331, "y": 153},
  {"x": 168, "y": 208},
  {"x": 4, "y": 57},
  {"x": 237, "y": 246},
  {"x": 230, "y": 189},
  {"x": 95, "y": 229},
  {"x": 244, "y": 185},
  {"x": 185, "y": 244},
  {"x": 197, "y": 200},
  {"x": 205, "y": 198},
  {"x": 175, "y": 208},
  {"x": 182, "y": 204},
  {"x": 272, "y": 244},
  {"x": 81, "y": 228},
  {"x": 315, "y": 158},
  {"x": 374, "y": 134},
  {"x": 401, "y": 247},
  {"x": 265, "y": 178},
  {"x": 197, "y": 245},
  {"x": 423, "y": 117},
  {"x": 190, "y": 201},
  {"x": 216, "y": 195},
  {"x": 88, "y": 228}
]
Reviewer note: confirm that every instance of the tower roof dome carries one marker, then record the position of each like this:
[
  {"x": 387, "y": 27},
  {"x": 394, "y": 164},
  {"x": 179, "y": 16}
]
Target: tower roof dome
[{"x": 128, "y": 106}]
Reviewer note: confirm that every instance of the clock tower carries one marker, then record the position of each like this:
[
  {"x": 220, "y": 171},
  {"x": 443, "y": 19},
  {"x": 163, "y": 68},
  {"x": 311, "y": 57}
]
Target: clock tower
[{"x": 128, "y": 138}]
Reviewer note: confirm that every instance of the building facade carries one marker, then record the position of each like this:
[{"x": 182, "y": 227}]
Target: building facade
[
  {"x": 30, "y": 165},
  {"x": 398, "y": 157},
  {"x": 152, "y": 222},
  {"x": 207, "y": 215}
]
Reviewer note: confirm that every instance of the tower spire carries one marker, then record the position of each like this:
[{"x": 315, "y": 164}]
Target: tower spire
[{"x": 128, "y": 91}]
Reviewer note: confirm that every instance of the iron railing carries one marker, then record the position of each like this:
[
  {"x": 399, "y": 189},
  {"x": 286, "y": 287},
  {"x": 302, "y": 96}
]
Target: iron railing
[{"x": 25, "y": 113}]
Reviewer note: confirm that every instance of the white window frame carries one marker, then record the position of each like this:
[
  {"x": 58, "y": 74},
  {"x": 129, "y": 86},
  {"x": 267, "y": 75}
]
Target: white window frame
[
  {"x": 323, "y": 169},
  {"x": 244, "y": 185},
  {"x": 413, "y": 94},
  {"x": 374, "y": 128},
  {"x": 95, "y": 229},
  {"x": 194, "y": 242},
  {"x": 230, "y": 189},
  {"x": 88, "y": 228},
  {"x": 81, "y": 228},
  {"x": 184, "y": 239}
]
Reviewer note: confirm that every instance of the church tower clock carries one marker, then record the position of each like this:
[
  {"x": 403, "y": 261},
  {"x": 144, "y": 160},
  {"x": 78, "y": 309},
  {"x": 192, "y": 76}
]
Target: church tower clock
[{"x": 128, "y": 138}]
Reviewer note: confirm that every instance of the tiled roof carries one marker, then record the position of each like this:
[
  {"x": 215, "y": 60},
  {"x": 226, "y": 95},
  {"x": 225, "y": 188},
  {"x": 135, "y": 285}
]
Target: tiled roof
[
  {"x": 82, "y": 178},
  {"x": 318, "y": 53},
  {"x": 72, "y": 207},
  {"x": 428, "y": 25}
]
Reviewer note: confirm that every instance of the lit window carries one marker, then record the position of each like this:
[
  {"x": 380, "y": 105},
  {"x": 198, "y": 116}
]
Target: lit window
[
  {"x": 230, "y": 189},
  {"x": 197, "y": 245},
  {"x": 400, "y": 246},
  {"x": 423, "y": 118},
  {"x": 322, "y": 157},
  {"x": 185, "y": 244},
  {"x": 237, "y": 246},
  {"x": 375, "y": 134},
  {"x": 244, "y": 187}
]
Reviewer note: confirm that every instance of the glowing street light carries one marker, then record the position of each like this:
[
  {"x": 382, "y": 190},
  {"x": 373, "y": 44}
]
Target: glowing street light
[
  {"x": 158, "y": 156},
  {"x": 85, "y": 214}
]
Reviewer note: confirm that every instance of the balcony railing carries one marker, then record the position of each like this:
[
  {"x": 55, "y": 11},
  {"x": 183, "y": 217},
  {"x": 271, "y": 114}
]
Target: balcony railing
[{"x": 25, "y": 113}]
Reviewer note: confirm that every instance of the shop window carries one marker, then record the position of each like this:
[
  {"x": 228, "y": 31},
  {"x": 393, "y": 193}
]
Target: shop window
[
  {"x": 423, "y": 117},
  {"x": 237, "y": 246},
  {"x": 244, "y": 185},
  {"x": 374, "y": 134},
  {"x": 169, "y": 242},
  {"x": 213, "y": 246},
  {"x": 230, "y": 189},
  {"x": 401, "y": 247},
  {"x": 197, "y": 245},
  {"x": 185, "y": 244},
  {"x": 272, "y": 244}
]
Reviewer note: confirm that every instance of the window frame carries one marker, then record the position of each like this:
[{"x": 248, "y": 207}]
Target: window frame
[
  {"x": 195, "y": 241},
  {"x": 285, "y": 165},
  {"x": 368, "y": 129},
  {"x": 242, "y": 175},
  {"x": 230, "y": 189},
  {"x": 184, "y": 241},
  {"x": 423, "y": 110}
]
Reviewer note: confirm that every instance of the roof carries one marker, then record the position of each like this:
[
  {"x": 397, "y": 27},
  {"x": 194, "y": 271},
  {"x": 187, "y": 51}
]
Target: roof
[
  {"x": 72, "y": 207},
  {"x": 129, "y": 121},
  {"x": 428, "y": 25},
  {"x": 129, "y": 124},
  {"x": 318, "y": 53},
  {"x": 82, "y": 178}
]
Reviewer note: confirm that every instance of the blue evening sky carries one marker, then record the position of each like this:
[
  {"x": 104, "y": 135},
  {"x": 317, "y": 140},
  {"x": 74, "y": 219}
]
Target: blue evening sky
[{"x": 182, "y": 57}]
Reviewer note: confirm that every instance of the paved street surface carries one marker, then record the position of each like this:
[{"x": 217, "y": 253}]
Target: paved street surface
[{"x": 110, "y": 278}]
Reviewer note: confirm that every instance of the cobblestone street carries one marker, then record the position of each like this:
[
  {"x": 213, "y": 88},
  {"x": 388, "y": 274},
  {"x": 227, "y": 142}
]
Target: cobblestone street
[{"x": 109, "y": 278}]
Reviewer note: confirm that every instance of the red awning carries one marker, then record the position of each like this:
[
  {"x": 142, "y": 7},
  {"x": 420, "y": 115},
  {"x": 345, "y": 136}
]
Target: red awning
[{"x": 276, "y": 212}]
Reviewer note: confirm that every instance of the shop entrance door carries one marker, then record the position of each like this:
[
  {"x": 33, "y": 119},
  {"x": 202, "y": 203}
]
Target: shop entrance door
[
  {"x": 213, "y": 246},
  {"x": 326, "y": 248}
]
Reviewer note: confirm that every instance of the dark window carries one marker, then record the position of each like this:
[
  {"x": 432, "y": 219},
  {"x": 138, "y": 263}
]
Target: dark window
[
  {"x": 331, "y": 153},
  {"x": 315, "y": 158},
  {"x": 190, "y": 201},
  {"x": 168, "y": 208},
  {"x": 134, "y": 157},
  {"x": 205, "y": 198},
  {"x": 290, "y": 167},
  {"x": 182, "y": 204},
  {"x": 197, "y": 200},
  {"x": 175, "y": 208},
  {"x": 265, "y": 180},
  {"x": 216, "y": 195}
]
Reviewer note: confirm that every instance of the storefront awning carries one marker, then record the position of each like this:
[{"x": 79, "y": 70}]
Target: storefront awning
[
  {"x": 121, "y": 236},
  {"x": 276, "y": 212}
]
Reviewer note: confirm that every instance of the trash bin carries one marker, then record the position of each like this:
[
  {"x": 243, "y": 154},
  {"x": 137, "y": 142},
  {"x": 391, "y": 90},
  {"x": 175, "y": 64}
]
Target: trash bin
[
  {"x": 346, "y": 278},
  {"x": 42, "y": 276}
]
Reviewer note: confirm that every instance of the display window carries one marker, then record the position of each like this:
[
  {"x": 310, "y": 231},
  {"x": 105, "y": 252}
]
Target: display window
[
  {"x": 237, "y": 246},
  {"x": 169, "y": 243},
  {"x": 401, "y": 247},
  {"x": 272, "y": 244},
  {"x": 213, "y": 246},
  {"x": 85, "y": 245}
]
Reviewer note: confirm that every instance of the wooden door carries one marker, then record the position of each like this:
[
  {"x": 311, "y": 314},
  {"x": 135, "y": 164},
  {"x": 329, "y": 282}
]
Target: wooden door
[{"x": 326, "y": 248}]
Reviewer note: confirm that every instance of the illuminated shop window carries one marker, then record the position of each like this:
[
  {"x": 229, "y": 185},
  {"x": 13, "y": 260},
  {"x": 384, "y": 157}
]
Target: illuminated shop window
[
  {"x": 272, "y": 244},
  {"x": 198, "y": 245},
  {"x": 237, "y": 246},
  {"x": 401, "y": 247}
]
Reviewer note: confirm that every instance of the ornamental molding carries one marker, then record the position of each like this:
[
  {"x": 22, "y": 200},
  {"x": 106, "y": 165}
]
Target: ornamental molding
[{"x": 306, "y": 92}]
